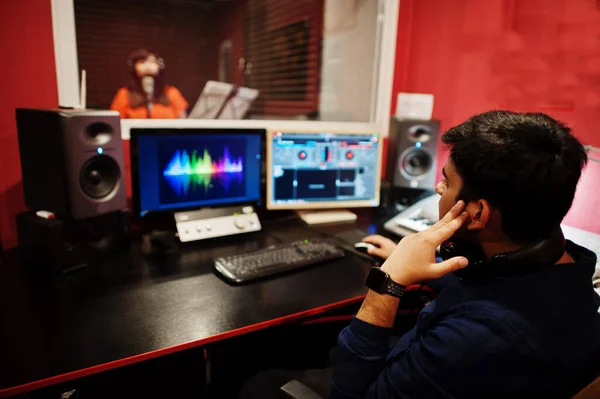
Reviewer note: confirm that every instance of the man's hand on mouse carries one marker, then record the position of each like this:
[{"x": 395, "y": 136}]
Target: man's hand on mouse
[
  {"x": 384, "y": 246},
  {"x": 413, "y": 259}
]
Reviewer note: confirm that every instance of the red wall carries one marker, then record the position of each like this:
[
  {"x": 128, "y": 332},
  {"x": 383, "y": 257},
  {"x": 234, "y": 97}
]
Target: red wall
[
  {"x": 28, "y": 80},
  {"x": 523, "y": 55}
]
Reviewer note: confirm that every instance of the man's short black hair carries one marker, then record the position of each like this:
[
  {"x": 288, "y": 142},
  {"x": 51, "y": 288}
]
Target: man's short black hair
[{"x": 526, "y": 165}]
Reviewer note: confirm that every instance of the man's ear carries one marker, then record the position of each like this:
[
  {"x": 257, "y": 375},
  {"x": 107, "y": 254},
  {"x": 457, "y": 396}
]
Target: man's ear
[{"x": 479, "y": 214}]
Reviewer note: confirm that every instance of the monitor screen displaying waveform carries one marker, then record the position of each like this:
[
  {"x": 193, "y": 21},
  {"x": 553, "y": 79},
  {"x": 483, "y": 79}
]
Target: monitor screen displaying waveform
[
  {"x": 212, "y": 170},
  {"x": 178, "y": 169}
]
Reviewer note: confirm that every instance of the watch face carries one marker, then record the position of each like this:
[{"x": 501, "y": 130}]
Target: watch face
[{"x": 376, "y": 279}]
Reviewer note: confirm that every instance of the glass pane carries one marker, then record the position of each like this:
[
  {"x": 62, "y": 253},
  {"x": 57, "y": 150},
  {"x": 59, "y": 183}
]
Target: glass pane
[{"x": 256, "y": 59}]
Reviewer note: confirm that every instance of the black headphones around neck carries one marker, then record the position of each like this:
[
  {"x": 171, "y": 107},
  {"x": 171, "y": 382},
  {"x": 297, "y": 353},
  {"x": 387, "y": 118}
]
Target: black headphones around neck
[{"x": 539, "y": 255}]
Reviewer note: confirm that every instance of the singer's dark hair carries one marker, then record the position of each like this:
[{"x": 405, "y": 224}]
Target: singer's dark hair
[
  {"x": 526, "y": 165},
  {"x": 137, "y": 97}
]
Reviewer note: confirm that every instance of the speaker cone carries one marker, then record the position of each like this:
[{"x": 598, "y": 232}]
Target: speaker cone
[
  {"x": 99, "y": 176},
  {"x": 98, "y": 133},
  {"x": 415, "y": 163}
]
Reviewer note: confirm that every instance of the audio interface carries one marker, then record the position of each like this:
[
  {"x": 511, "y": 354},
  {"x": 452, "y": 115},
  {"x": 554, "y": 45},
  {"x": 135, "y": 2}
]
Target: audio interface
[{"x": 218, "y": 222}]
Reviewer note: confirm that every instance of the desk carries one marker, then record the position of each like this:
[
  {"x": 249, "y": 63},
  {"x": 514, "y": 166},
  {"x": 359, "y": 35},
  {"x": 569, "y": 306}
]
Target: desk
[{"x": 132, "y": 308}]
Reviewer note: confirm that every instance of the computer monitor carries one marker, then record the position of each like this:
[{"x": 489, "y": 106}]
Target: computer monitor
[
  {"x": 323, "y": 170},
  {"x": 182, "y": 169}
]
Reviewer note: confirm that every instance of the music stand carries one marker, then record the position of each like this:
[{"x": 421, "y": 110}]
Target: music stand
[
  {"x": 239, "y": 103},
  {"x": 211, "y": 101}
]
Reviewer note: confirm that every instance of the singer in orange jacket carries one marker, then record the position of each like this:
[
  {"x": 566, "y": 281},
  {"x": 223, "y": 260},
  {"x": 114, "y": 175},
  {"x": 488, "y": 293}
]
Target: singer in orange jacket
[{"x": 147, "y": 96}]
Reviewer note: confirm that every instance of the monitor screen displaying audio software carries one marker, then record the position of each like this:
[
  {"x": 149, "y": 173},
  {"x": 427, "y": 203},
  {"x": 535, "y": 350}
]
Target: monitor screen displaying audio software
[
  {"x": 313, "y": 170},
  {"x": 183, "y": 170}
]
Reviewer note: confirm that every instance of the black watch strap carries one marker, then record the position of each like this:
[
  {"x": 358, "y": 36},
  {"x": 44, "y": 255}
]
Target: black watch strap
[
  {"x": 380, "y": 282},
  {"x": 394, "y": 289}
]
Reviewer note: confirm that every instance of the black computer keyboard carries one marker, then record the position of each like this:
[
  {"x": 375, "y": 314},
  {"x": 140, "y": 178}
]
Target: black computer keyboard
[{"x": 276, "y": 259}]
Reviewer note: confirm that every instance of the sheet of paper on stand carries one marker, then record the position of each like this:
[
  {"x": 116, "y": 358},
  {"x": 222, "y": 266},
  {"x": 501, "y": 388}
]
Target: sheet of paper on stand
[
  {"x": 414, "y": 106},
  {"x": 238, "y": 105},
  {"x": 211, "y": 100}
]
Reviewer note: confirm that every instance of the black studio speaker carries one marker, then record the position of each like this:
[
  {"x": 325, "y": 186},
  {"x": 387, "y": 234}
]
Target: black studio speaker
[
  {"x": 412, "y": 153},
  {"x": 63, "y": 245},
  {"x": 72, "y": 161}
]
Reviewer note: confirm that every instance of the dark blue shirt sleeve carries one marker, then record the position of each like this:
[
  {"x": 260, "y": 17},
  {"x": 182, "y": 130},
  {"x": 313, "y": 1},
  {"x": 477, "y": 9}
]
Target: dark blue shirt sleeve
[
  {"x": 363, "y": 349},
  {"x": 427, "y": 367}
]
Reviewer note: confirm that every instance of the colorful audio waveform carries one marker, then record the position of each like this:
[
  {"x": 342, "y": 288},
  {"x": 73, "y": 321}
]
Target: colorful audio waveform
[{"x": 184, "y": 171}]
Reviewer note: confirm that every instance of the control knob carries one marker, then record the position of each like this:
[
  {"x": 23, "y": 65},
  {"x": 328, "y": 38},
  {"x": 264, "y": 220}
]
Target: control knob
[{"x": 240, "y": 223}]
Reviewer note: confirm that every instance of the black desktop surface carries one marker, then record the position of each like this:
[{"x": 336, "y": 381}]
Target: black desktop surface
[{"x": 132, "y": 308}]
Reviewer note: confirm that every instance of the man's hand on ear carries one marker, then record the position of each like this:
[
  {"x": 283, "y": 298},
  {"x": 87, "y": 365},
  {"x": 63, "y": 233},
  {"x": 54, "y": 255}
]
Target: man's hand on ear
[{"x": 413, "y": 259}]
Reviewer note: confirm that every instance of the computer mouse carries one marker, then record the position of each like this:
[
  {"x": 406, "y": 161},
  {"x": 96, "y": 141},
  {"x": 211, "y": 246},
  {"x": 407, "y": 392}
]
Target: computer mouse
[{"x": 364, "y": 247}]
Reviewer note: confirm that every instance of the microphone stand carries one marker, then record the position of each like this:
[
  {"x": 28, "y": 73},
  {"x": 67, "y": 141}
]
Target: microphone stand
[
  {"x": 148, "y": 87},
  {"x": 149, "y": 104},
  {"x": 229, "y": 97}
]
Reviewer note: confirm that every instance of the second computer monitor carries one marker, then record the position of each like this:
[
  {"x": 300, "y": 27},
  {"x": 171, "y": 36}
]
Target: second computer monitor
[{"x": 323, "y": 170}]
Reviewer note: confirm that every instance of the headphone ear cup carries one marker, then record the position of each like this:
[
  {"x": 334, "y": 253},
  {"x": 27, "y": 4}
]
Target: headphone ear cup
[{"x": 159, "y": 61}]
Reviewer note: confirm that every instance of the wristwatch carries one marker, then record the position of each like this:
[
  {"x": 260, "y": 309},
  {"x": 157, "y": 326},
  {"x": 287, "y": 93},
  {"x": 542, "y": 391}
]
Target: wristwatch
[{"x": 381, "y": 282}]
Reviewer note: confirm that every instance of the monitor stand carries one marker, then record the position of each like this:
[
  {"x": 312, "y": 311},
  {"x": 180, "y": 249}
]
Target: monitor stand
[{"x": 326, "y": 216}]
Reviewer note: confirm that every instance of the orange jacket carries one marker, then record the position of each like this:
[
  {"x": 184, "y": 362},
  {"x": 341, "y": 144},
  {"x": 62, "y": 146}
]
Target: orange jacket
[{"x": 172, "y": 111}]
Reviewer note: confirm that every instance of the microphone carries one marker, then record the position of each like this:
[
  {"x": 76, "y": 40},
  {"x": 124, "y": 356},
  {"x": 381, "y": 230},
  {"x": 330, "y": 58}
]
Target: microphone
[{"x": 148, "y": 87}]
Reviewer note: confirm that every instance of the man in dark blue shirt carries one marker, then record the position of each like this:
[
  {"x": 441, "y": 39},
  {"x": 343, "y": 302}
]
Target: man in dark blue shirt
[{"x": 530, "y": 329}]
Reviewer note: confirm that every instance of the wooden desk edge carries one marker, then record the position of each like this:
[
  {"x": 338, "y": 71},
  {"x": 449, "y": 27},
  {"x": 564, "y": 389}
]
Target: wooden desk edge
[{"x": 30, "y": 386}]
